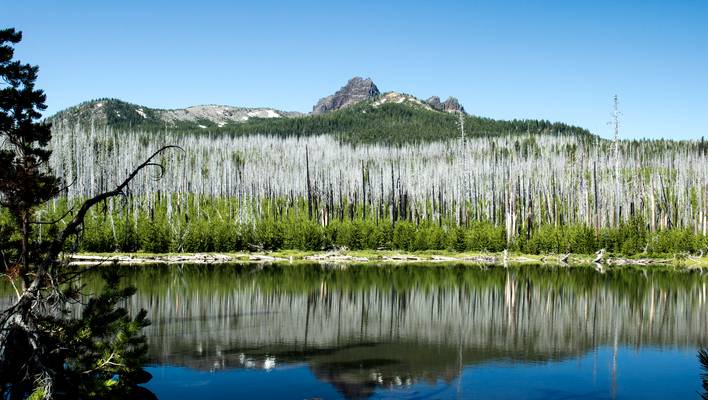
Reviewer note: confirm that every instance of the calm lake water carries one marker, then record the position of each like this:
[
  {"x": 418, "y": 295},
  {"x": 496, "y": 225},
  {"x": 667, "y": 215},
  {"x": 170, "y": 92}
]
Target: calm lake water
[{"x": 422, "y": 332}]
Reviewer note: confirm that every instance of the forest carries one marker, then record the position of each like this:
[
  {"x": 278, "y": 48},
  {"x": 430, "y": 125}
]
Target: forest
[
  {"x": 531, "y": 193},
  {"x": 394, "y": 124}
]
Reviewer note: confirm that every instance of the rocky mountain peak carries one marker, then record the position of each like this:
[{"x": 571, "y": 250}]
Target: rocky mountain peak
[
  {"x": 452, "y": 105},
  {"x": 356, "y": 90},
  {"x": 435, "y": 103}
]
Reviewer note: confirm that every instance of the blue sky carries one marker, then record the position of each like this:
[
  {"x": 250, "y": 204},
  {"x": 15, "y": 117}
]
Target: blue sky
[{"x": 556, "y": 60}]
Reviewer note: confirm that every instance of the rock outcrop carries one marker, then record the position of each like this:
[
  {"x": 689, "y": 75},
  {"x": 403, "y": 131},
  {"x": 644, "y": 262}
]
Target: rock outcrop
[
  {"x": 449, "y": 105},
  {"x": 435, "y": 103},
  {"x": 452, "y": 105},
  {"x": 356, "y": 90}
]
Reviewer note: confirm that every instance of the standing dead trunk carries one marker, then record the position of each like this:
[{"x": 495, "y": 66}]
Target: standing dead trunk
[{"x": 309, "y": 188}]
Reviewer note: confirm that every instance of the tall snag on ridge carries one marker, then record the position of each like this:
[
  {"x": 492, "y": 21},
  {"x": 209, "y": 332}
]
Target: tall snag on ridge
[{"x": 45, "y": 351}]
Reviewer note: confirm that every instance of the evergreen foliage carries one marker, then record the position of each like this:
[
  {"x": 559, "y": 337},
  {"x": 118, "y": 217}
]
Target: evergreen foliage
[
  {"x": 216, "y": 228},
  {"x": 101, "y": 354},
  {"x": 394, "y": 123}
]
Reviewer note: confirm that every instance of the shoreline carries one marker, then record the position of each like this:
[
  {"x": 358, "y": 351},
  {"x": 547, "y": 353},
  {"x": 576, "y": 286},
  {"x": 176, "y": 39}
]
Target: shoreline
[{"x": 381, "y": 257}]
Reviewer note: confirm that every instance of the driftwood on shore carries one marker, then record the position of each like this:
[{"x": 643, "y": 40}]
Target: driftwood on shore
[
  {"x": 79, "y": 259},
  {"x": 263, "y": 258},
  {"x": 401, "y": 257},
  {"x": 338, "y": 257},
  {"x": 638, "y": 261},
  {"x": 335, "y": 257}
]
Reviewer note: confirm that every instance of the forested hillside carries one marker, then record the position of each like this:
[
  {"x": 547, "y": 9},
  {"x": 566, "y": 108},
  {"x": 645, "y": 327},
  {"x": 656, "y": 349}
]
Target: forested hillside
[
  {"x": 396, "y": 123},
  {"x": 121, "y": 115},
  {"x": 366, "y": 122}
]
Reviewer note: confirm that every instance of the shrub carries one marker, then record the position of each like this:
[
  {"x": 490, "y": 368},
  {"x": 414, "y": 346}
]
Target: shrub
[
  {"x": 484, "y": 236},
  {"x": 404, "y": 235}
]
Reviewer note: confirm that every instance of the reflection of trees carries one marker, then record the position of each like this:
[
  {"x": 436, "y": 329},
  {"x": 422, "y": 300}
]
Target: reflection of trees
[
  {"x": 521, "y": 311},
  {"x": 365, "y": 327}
]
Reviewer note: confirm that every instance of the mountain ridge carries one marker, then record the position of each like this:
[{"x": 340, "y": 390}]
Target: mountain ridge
[
  {"x": 119, "y": 113},
  {"x": 356, "y": 112}
]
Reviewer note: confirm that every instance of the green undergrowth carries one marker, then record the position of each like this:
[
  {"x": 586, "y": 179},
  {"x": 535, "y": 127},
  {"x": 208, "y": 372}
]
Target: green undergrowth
[{"x": 216, "y": 225}]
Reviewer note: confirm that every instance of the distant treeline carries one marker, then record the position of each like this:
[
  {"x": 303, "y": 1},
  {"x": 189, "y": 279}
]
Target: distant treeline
[{"x": 395, "y": 123}]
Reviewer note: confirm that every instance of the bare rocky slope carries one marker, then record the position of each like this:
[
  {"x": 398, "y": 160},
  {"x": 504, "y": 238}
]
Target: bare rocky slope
[{"x": 120, "y": 114}]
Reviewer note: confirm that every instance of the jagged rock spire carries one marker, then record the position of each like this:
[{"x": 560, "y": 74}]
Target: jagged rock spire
[{"x": 356, "y": 90}]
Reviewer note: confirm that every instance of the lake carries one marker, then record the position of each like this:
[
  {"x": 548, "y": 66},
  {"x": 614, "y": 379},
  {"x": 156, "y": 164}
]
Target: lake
[{"x": 421, "y": 331}]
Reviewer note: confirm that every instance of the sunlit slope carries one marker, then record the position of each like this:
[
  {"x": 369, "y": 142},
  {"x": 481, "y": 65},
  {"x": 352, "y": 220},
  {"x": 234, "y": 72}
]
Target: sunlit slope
[{"x": 373, "y": 121}]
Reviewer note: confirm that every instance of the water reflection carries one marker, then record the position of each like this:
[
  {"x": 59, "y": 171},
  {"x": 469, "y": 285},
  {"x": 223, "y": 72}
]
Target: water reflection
[
  {"x": 703, "y": 359},
  {"x": 364, "y": 328}
]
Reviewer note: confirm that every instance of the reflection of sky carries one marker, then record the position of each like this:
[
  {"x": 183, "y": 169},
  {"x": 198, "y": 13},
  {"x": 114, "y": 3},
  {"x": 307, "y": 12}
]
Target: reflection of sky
[
  {"x": 641, "y": 374},
  {"x": 645, "y": 373},
  {"x": 286, "y": 383}
]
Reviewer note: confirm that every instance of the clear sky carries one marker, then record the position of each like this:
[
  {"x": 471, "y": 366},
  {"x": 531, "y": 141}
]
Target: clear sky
[{"x": 556, "y": 60}]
